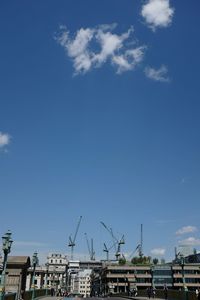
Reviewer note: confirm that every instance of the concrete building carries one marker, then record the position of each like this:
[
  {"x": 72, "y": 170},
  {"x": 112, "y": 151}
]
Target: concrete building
[
  {"x": 123, "y": 279},
  {"x": 120, "y": 279}
]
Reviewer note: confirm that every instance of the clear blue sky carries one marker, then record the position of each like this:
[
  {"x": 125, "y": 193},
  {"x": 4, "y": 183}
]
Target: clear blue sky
[{"x": 100, "y": 121}]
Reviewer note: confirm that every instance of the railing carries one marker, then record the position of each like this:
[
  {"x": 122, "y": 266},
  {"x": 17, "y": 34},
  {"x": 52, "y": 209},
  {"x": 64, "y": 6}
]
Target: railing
[
  {"x": 28, "y": 294},
  {"x": 38, "y": 293},
  {"x": 172, "y": 294}
]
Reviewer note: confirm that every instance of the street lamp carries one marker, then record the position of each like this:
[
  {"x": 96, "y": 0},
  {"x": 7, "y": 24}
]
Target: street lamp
[
  {"x": 7, "y": 242},
  {"x": 182, "y": 263},
  {"x": 34, "y": 264},
  {"x": 47, "y": 274},
  {"x": 152, "y": 276}
]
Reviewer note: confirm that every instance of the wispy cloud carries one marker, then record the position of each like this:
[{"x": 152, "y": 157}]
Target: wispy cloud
[
  {"x": 93, "y": 47},
  {"x": 4, "y": 140},
  {"x": 186, "y": 229},
  {"x": 191, "y": 241},
  {"x": 158, "y": 251},
  {"x": 29, "y": 244},
  {"x": 157, "y": 74},
  {"x": 157, "y": 13}
]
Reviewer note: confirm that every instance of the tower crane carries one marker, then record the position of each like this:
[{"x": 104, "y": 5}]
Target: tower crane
[
  {"x": 72, "y": 241},
  {"x": 90, "y": 248},
  {"x": 107, "y": 250},
  {"x": 139, "y": 247},
  {"x": 116, "y": 241}
]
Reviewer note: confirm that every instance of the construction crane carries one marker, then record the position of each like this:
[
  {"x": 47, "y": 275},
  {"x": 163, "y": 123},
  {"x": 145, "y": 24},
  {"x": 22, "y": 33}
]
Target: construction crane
[
  {"x": 141, "y": 242},
  {"x": 116, "y": 241},
  {"x": 90, "y": 248},
  {"x": 107, "y": 250},
  {"x": 136, "y": 250},
  {"x": 139, "y": 247},
  {"x": 72, "y": 241}
]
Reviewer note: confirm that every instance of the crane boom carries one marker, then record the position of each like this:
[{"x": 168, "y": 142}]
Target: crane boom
[
  {"x": 115, "y": 241},
  {"x": 72, "y": 241}
]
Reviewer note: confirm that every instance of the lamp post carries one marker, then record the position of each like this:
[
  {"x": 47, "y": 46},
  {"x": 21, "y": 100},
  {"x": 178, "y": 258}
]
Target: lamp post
[
  {"x": 34, "y": 264},
  {"x": 7, "y": 242},
  {"x": 47, "y": 275},
  {"x": 152, "y": 274},
  {"x": 182, "y": 263}
]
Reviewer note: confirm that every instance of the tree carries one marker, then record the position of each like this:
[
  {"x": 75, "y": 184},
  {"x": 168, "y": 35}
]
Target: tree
[
  {"x": 144, "y": 260},
  {"x": 155, "y": 261},
  {"x": 122, "y": 261}
]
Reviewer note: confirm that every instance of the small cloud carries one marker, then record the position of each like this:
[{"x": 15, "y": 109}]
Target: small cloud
[
  {"x": 93, "y": 47},
  {"x": 186, "y": 229},
  {"x": 158, "y": 251},
  {"x": 157, "y": 75},
  {"x": 157, "y": 13},
  {"x": 4, "y": 140},
  {"x": 191, "y": 241}
]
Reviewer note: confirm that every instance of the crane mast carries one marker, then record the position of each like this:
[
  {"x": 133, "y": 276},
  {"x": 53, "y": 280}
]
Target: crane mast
[{"x": 90, "y": 248}]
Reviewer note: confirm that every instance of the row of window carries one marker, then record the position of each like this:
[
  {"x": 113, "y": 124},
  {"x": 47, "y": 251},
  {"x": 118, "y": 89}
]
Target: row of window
[{"x": 56, "y": 261}]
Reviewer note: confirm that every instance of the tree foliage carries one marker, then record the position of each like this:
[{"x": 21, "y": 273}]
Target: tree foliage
[
  {"x": 155, "y": 261},
  {"x": 141, "y": 260},
  {"x": 122, "y": 261}
]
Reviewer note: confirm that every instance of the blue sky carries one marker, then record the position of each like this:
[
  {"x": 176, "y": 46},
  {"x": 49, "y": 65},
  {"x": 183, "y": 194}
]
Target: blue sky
[{"x": 99, "y": 117}]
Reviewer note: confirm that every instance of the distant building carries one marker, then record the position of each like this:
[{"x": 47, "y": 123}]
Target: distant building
[
  {"x": 74, "y": 269},
  {"x": 52, "y": 274},
  {"x": 82, "y": 283}
]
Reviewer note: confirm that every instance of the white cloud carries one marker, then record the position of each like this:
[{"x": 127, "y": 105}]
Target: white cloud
[
  {"x": 129, "y": 60},
  {"x": 186, "y": 229},
  {"x": 92, "y": 47},
  {"x": 4, "y": 139},
  {"x": 191, "y": 241},
  {"x": 158, "y": 251},
  {"x": 157, "y": 13},
  {"x": 157, "y": 75}
]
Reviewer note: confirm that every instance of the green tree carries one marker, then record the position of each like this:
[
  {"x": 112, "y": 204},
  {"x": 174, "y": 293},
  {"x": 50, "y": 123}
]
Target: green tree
[
  {"x": 155, "y": 261},
  {"x": 122, "y": 261},
  {"x": 141, "y": 260}
]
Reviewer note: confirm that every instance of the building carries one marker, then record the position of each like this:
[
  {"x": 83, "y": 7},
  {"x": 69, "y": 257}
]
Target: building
[
  {"x": 16, "y": 273},
  {"x": 118, "y": 279},
  {"x": 52, "y": 274},
  {"x": 162, "y": 275},
  {"x": 74, "y": 269},
  {"x": 82, "y": 283},
  {"x": 186, "y": 274}
]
